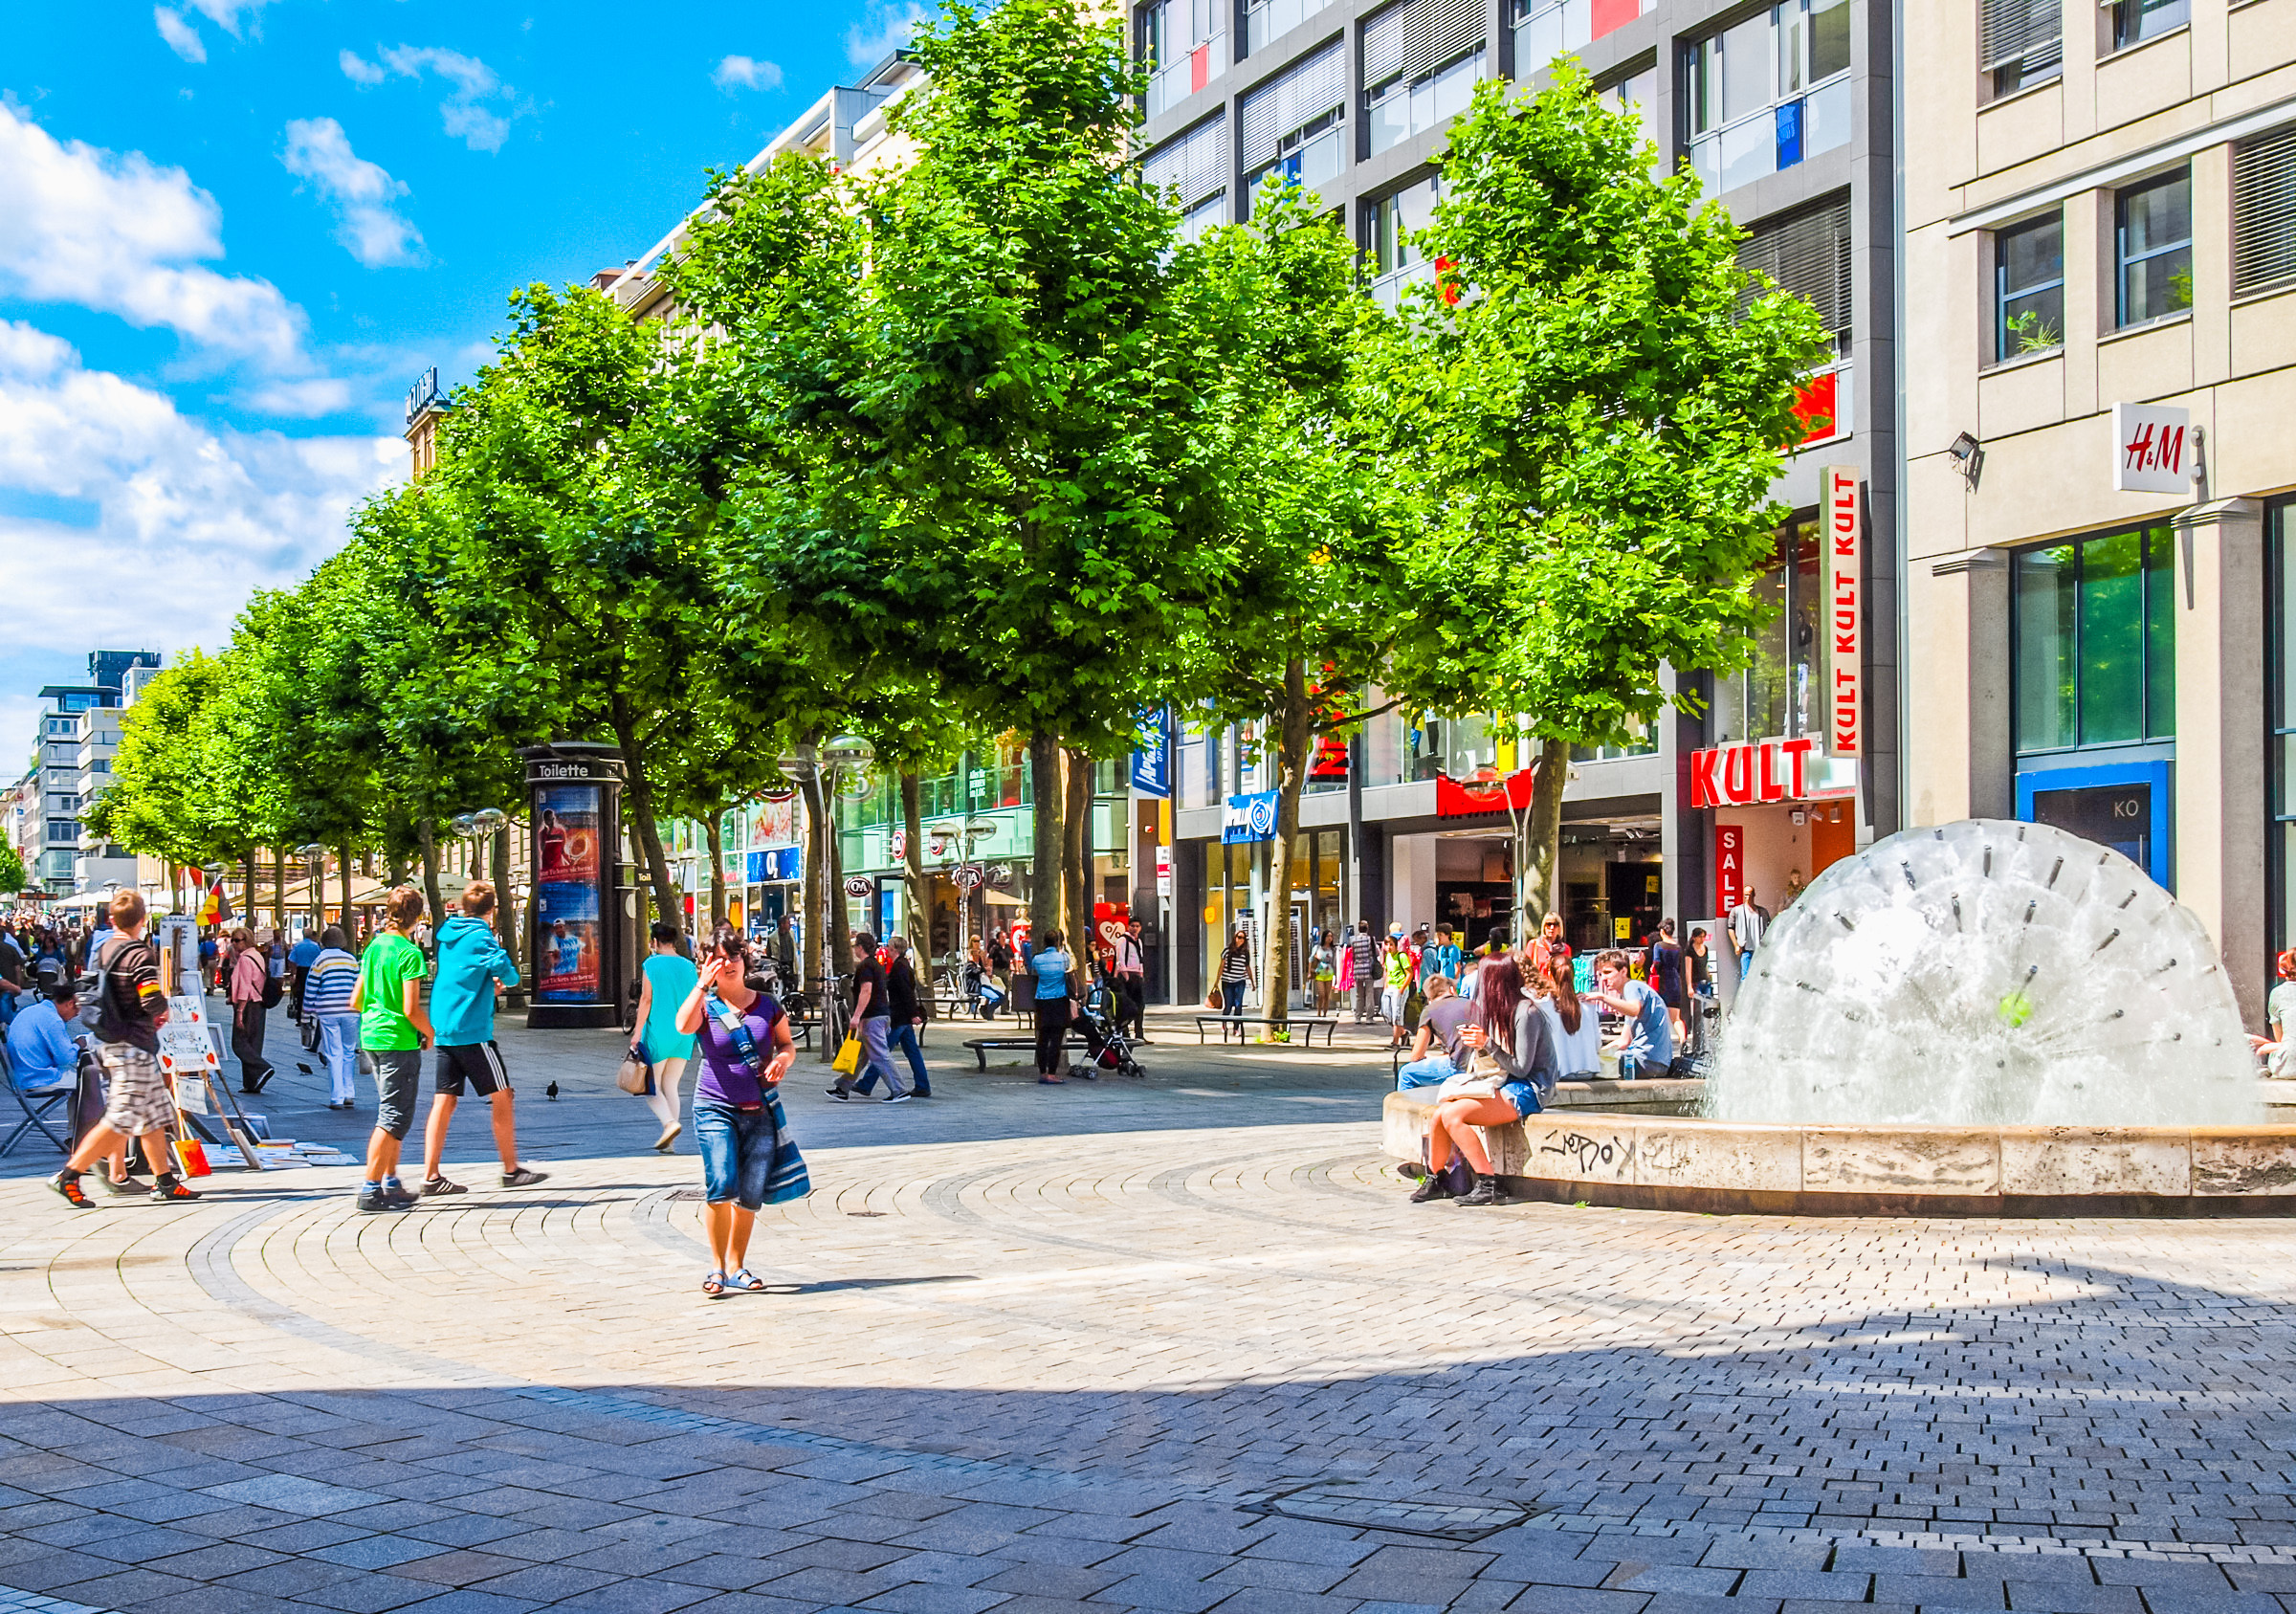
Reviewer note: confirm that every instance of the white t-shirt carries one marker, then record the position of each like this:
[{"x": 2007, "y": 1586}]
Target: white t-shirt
[{"x": 1578, "y": 1054}]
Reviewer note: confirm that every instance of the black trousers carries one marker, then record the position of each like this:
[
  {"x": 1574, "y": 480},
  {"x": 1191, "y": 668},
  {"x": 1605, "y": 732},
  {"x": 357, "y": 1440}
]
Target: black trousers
[
  {"x": 1131, "y": 1001},
  {"x": 1051, "y": 1030},
  {"x": 247, "y": 1042}
]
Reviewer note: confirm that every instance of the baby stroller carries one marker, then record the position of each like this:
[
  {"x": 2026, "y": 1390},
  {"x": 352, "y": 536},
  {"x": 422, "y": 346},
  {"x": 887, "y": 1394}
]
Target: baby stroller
[{"x": 1106, "y": 1048}]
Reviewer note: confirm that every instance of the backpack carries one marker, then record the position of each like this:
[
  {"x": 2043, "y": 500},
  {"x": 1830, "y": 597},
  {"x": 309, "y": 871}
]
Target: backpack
[
  {"x": 270, "y": 989},
  {"x": 94, "y": 991}
]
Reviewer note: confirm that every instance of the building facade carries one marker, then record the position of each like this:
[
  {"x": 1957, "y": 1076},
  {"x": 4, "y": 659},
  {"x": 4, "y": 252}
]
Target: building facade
[
  {"x": 1785, "y": 113},
  {"x": 77, "y": 737},
  {"x": 2101, "y": 283}
]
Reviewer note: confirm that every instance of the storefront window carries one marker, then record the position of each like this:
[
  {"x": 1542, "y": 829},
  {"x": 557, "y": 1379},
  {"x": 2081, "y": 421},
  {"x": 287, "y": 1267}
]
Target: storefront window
[{"x": 2094, "y": 641}]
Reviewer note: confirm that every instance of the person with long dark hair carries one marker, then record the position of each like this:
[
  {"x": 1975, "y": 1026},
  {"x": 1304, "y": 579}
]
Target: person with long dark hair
[
  {"x": 1510, "y": 1030},
  {"x": 1577, "y": 1034}
]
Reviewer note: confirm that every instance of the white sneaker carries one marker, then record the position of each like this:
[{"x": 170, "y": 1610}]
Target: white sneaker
[{"x": 896, "y": 1098}]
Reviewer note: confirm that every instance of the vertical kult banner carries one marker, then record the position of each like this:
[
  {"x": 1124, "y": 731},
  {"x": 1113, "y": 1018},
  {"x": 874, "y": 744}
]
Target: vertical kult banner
[
  {"x": 570, "y": 896},
  {"x": 1844, "y": 528}
]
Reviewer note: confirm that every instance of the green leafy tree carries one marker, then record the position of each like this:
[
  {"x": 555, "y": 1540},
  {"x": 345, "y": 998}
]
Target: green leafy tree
[
  {"x": 1591, "y": 425},
  {"x": 13, "y": 877},
  {"x": 1313, "y": 604},
  {"x": 178, "y": 791}
]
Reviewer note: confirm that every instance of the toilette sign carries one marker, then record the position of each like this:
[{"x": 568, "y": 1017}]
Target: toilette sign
[
  {"x": 1845, "y": 611},
  {"x": 2152, "y": 449}
]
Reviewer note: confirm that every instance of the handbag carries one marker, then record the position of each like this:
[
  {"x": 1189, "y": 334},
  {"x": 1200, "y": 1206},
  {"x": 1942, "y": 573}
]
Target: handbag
[
  {"x": 635, "y": 1074},
  {"x": 190, "y": 1156},
  {"x": 785, "y": 1175},
  {"x": 848, "y": 1056},
  {"x": 1481, "y": 1080},
  {"x": 1211, "y": 999}
]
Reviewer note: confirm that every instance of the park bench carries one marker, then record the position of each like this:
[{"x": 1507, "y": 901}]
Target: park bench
[
  {"x": 1306, "y": 1023},
  {"x": 982, "y": 1045}
]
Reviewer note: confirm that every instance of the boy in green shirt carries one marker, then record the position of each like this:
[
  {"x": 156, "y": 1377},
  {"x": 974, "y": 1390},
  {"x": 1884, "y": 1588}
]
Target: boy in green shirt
[{"x": 393, "y": 1030}]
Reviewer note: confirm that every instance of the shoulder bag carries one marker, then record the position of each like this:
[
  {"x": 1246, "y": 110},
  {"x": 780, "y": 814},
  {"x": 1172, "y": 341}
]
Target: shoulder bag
[
  {"x": 785, "y": 1177},
  {"x": 635, "y": 1074}
]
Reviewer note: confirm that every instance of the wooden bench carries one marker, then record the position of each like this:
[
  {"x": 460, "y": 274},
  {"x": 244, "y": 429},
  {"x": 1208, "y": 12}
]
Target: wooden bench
[
  {"x": 982, "y": 1045},
  {"x": 1306, "y": 1038}
]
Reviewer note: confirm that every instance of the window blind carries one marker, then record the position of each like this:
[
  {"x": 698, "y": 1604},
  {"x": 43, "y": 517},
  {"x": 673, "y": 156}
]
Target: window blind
[
  {"x": 1196, "y": 162},
  {"x": 2028, "y": 32},
  {"x": 1417, "y": 37},
  {"x": 2264, "y": 210},
  {"x": 1301, "y": 94},
  {"x": 1806, "y": 253}
]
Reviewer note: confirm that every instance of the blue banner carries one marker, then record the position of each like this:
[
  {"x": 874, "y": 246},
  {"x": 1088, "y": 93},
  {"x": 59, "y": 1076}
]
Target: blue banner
[
  {"x": 1248, "y": 818},
  {"x": 784, "y": 863},
  {"x": 1152, "y": 761}
]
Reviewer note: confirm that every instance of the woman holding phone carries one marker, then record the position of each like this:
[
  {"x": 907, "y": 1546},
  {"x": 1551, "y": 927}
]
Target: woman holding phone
[{"x": 748, "y": 1159}]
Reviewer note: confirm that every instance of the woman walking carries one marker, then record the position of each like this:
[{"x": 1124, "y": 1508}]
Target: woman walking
[
  {"x": 250, "y": 979},
  {"x": 1395, "y": 988},
  {"x": 748, "y": 1159},
  {"x": 669, "y": 977},
  {"x": 1055, "y": 973},
  {"x": 1235, "y": 975}
]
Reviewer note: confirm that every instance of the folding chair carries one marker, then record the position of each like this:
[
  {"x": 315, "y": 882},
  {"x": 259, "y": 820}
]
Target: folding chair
[{"x": 38, "y": 1106}]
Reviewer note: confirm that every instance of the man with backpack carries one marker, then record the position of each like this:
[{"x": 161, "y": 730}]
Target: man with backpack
[{"x": 130, "y": 1007}]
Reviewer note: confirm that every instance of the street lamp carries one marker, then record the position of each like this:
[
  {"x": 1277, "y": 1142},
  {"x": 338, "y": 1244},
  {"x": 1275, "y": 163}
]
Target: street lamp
[
  {"x": 314, "y": 854},
  {"x": 966, "y": 835}
]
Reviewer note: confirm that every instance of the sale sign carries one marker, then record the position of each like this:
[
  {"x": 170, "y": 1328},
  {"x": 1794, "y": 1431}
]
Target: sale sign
[
  {"x": 1729, "y": 866},
  {"x": 1842, "y": 576}
]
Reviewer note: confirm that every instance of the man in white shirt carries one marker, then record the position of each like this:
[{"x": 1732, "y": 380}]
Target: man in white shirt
[{"x": 1747, "y": 923}]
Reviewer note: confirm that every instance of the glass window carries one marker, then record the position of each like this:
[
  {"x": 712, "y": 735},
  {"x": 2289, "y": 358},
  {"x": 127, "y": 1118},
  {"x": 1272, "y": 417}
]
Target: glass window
[
  {"x": 2020, "y": 44},
  {"x": 2136, "y": 21},
  {"x": 1400, "y": 107},
  {"x": 2263, "y": 211},
  {"x": 2154, "y": 240},
  {"x": 1769, "y": 92},
  {"x": 2028, "y": 282},
  {"x": 2094, "y": 645}
]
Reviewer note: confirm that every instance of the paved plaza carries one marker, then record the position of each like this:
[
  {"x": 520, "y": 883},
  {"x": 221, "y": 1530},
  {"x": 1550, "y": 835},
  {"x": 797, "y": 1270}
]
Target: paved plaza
[{"x": 1177, "y": 1346}]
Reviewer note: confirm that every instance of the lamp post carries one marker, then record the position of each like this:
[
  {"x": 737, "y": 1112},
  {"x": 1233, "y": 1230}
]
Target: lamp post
[
  {"x": 839, "y": 768},
  {"x": 314, "y": 854},
  {"x": 967, "y": 836}
]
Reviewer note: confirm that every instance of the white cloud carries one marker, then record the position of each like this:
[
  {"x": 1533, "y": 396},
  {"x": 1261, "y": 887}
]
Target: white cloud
[
  {"x": 188, "y": 518},
  {"x": 465, "y": 112},
  {"x": 226, "y": 14},
  {"x": 368, "y": 224},
  {"x": 182, "y": 37},
  {"x": 884, "y": 27},
  {"x": 120, "y": 235},
  {"x": 746, "y": 73}
]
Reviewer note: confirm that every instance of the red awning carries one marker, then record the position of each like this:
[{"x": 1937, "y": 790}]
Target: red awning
[{"x": 1456, "y": 798}]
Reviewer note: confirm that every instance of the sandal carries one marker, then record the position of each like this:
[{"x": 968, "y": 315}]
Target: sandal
[
  {"x": 714, "y": 1285},
  {"x": 1051, "y": 1081},
  {"x": 747, "y": 1279}
]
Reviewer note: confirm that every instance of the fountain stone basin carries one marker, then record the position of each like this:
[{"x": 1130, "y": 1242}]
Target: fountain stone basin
[{"x": 1688, "y": 1163}]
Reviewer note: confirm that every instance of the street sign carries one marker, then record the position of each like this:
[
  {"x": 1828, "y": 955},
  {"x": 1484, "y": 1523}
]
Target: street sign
[
  {"x": 968, "y": 876},
  {"x": 2154, "y": 448}
]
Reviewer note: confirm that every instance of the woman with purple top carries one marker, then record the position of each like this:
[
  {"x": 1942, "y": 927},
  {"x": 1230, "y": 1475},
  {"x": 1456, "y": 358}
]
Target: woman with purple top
[{"x": 748, "y": 1159}]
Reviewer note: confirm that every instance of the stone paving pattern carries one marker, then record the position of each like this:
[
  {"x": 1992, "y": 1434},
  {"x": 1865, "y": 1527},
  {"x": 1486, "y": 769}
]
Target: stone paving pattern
[{"x": 1048, "y": 1351}]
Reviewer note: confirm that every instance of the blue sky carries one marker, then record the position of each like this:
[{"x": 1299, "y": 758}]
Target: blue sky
[{"x": 233, "y": 233}]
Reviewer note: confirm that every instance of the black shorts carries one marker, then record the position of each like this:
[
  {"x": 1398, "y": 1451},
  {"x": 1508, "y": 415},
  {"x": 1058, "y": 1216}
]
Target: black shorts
[{"x": 480, "y": 1063}]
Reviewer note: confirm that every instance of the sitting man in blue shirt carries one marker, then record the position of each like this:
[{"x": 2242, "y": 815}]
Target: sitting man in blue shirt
[
  {"x": 43, "y": 1056},
  {"x": 1648, "y": 1051},
  {"x": 42, "y": 1053}
]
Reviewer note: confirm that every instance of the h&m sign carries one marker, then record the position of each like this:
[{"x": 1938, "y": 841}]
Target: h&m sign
[
  {"x": 1842, "y": 539},
  {"x": 2155, "y": 449}
]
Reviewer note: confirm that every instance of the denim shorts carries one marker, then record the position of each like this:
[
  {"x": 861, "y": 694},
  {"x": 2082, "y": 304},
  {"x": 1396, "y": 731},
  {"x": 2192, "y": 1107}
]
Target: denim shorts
[
  {"x": 737, "y": 1153},
  {"x": 397, "y": 1072}
]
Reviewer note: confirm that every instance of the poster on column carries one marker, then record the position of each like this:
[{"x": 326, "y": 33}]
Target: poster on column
[
  {"x": 567, "y": 898},
  {"x": 1845, "y": 607}
]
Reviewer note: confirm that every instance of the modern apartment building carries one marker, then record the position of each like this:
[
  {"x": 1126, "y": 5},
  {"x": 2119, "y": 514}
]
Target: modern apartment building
[
  {"x": 2100, "y": 280},
  {"x": 77, "y": 736},
  {"x": 1786, "y": 112}
]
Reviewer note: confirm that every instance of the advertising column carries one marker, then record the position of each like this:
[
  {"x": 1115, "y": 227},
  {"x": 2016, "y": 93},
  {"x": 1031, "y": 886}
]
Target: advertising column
[{"x": 575, "y": 791}]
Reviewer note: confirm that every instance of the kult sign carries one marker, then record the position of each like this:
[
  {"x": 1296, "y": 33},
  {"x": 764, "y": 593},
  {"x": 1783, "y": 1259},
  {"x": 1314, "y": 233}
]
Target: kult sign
[{"x": 1774, "y": 770}]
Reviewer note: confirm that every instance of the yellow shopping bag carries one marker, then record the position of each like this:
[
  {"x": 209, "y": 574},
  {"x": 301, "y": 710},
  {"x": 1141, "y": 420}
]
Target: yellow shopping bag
[{"x": 848, "y": 1057}]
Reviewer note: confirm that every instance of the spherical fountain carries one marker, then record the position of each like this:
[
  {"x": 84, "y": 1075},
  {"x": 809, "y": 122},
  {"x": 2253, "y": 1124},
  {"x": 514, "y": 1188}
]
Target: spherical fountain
[{"x": 1982, "y": 1018}]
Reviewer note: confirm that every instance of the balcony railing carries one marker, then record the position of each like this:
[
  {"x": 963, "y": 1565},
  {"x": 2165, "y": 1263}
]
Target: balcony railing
[{"x": 1183, "y": 76}]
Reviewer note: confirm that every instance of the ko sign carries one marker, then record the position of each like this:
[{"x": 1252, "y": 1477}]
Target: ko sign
[
  {"x": 1774, "y": 770},
  {"x": 2152, "y": 449}
]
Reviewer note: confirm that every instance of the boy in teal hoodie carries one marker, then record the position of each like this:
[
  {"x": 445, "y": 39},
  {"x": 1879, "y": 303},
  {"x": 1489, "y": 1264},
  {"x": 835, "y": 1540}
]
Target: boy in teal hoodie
[{"x": 471, "y": 960}]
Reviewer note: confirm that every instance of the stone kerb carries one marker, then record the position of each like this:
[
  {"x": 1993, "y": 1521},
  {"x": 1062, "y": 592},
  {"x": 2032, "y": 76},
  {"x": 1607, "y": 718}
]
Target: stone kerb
[{"x": 1682, "y": 1162}]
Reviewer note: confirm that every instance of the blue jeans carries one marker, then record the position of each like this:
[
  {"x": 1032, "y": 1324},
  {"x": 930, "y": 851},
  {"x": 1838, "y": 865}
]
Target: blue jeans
[
  {"x": 904, "y": 1041},
  {"x": 1232, "y": 998},
  {"x": 737, "y": 1153},
  {"x": 1745, "y": 964},
  {"x": 1433, "y": 1071}
]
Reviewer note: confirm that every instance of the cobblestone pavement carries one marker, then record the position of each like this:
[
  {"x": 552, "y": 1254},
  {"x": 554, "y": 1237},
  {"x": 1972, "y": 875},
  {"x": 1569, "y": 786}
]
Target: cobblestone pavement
[{"x": 1175, "y": 1348}]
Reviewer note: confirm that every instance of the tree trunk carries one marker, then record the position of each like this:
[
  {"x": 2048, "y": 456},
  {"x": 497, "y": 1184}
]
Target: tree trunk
[
  {"x": 817, "y": 866},
  {"x": 428, "y": 831},
  {"x": 1046, "y": 846},
  {"x": 1542, "y": 835},
  {"x": 247, "y": 906},
  {"x": 1076, "y": 855},
  {"x": 714, "y": 827},
  {"x": 1294, "y": 731},
  {"x": 506, "y": 917},
  {"x": 919, "y": 923},
  {"x": 638, "y": 803},
  {"x": 342, "y": 854},
  {"x": 317, "y": 869}
]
